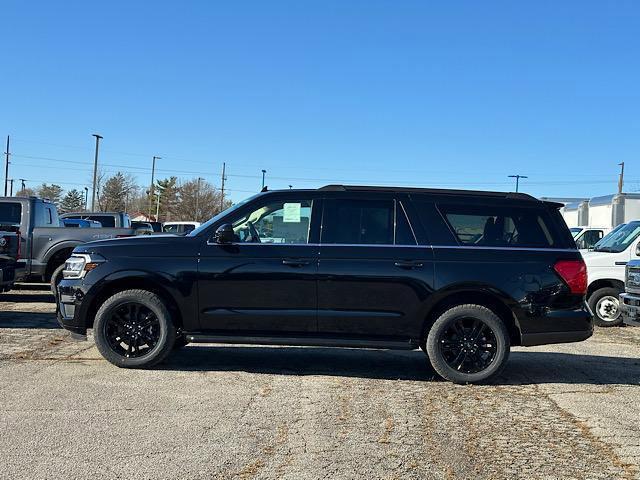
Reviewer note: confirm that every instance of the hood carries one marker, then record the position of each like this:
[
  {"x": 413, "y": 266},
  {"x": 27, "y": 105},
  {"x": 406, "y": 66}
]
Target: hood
[
  {"x": 139, "y": 245},
  {"x": 601, "y": 259}
]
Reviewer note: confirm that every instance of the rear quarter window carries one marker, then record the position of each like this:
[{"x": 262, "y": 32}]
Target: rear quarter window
[{"x": 500, "y": 226}]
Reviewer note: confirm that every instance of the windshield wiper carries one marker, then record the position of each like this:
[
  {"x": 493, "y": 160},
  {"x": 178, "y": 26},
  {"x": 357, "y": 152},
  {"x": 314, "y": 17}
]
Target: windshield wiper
[{"x": 604, "y": 249}]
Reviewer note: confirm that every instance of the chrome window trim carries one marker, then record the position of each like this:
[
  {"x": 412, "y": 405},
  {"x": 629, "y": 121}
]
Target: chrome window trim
[{"x": 456, "y": 247}]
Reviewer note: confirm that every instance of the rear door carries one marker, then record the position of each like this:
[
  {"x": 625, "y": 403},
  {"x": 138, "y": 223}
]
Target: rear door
[{"x": 372, "y": 276}]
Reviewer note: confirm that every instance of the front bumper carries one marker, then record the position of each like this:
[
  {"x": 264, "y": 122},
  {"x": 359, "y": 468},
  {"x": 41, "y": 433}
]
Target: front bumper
[
  {"x": 70, "y": 313},
  {"x": 630, "y": 307}
]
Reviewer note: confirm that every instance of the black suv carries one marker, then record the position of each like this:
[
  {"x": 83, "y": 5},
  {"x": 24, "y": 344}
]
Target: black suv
[{"x": 463, "y": 275}]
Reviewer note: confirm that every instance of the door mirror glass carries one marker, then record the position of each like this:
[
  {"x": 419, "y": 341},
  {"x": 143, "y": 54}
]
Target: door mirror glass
[
  {"x": 224, "y": 234},
  {"x": 638, "y": 250}
]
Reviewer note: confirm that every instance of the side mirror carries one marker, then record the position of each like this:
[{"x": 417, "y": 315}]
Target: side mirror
[{"x": 224, "y": 234}]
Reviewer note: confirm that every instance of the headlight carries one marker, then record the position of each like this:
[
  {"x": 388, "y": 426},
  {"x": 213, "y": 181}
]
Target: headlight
[{"x": 79, "y": 264}]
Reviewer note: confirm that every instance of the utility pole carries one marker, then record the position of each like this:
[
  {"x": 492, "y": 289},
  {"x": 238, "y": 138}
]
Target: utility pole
[
  {"x": 11, "y": 182},
  {"x": 224, "y": 166},
  {"x": 517, "y": 177},
  {"x": 153, "y": 172},
  {"x": 22, "y": 184},
  {"x": 198, "y": 200},
  {"x": 263, "y": 172},
  {"x": 95, "y": 173},
  {"x": 86, "y": 198},
  {"x": 621, "y": 179},
  {"x": 6, "y": 167}
]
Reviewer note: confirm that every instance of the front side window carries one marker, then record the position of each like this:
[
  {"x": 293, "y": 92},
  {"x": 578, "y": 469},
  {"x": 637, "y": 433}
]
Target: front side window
[
  {"x": 358, "y": 222},
  {"x": 498, "y": 226},
  {"x": 278, "y": 222}
]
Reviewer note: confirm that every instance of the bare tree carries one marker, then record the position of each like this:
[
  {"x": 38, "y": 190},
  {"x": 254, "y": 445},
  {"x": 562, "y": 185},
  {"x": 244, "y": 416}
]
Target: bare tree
[{"x": 198, "y": 200}]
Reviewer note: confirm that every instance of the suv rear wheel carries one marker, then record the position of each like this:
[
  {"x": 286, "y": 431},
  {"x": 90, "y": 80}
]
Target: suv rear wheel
[
  {"x": 468, "y": 344},
  {"x": 605, "y": 306},
  {"x": 133, "y": 329}
]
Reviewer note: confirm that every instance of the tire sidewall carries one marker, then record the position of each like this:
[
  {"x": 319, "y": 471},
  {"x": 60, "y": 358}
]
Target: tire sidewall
[
  {"x": 468, "y": 311},
  {"x": 593, "y": 302},
  {"x": 56, "y": 278},
  {"x": 152, "y": 302}
]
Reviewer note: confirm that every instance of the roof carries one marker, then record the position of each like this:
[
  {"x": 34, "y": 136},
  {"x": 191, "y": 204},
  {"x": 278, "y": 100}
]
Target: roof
[{"x": 434, "y": 191}]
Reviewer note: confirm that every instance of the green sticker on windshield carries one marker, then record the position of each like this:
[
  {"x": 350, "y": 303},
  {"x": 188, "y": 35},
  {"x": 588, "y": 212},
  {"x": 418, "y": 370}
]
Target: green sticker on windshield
[{"x": 291, "y": 212}]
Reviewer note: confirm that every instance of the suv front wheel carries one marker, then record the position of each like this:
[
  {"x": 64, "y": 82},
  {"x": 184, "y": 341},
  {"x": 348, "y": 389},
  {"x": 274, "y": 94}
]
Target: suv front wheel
[
  {"x": 468, "y": 344},
  {"x": 133, "y": 329}
]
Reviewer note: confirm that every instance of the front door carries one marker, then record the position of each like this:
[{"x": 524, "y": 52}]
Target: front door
[
  {"x": 373, "y": 278},
  {"x": 265, "y": 281}
]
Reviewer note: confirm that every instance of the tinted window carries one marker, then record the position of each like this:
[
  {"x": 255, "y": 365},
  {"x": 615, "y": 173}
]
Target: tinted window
[
  {"x": 277, "y": 222},
  {"x": 498, "y": 226},
  {"x": 404, "y": 233},
  {"x": 10, "y": 213},
  {"x": 189, "y": 228},
  {"x": 358, "y": 222},
  {"x": 105, "y": 220},
  {"x": 171, "y": 228}
]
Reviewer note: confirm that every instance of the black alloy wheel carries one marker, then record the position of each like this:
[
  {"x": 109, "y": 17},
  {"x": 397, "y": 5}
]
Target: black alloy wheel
[
  {"x": 468, "y": 345},
  {"x": 132, "y": 330}
]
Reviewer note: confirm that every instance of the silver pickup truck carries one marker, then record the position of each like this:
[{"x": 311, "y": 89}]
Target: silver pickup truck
[{"x": 44, "y": 243}]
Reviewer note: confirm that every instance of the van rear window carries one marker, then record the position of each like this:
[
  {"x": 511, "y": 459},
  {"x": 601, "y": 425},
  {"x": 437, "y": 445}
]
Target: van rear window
[{"x": 497, "y": 226}]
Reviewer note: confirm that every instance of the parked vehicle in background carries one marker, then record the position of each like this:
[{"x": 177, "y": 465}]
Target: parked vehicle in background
[
  {"x": 587, "y": 237},
  {"x": 106, "y": 219},
  {"x": 9, "y": 248},
  {"x": 630, "y": 299},
  {"x": 77, "y": 223},
  {"x": 179, "y": 228},
  {"x": 44, "y": 243},
  {"x": 606, "y": 264},
  {"x": 157, "y": 227},
  {"x": 462, "y": 275},
  {"x": 142, "y": 228}
]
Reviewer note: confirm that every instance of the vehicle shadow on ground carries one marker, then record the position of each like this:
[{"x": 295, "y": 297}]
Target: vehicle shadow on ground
[
  {"x": 40, "y": 297},
  {"x": 524, "y": 368},
  {"x": 13, "y": 319}
]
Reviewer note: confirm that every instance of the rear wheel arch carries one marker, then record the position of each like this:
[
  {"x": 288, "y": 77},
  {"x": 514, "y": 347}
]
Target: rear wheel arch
[
  {"x": 605, "y": 283},
  {"x": 476, "y": 297},
  {"x": 111, "y": 288},
  {"x": 57, "y": 258}
]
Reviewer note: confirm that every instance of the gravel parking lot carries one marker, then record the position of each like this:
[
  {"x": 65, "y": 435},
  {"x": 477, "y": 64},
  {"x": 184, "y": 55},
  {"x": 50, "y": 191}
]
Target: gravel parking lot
[{"x": 212, "y": 411}]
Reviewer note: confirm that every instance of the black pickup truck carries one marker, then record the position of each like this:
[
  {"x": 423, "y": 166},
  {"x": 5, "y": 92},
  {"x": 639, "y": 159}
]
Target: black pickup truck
[{"x": 44, "y": 243}]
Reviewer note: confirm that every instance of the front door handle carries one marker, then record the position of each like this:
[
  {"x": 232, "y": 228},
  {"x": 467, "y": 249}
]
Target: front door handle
[
  {"x": 408, "y": 264},
  {"x": 295, "y": 262}
]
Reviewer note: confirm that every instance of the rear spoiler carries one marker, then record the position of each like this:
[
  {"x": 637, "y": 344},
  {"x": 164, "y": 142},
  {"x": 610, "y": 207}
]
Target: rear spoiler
[{"x": 553, "y": 205}]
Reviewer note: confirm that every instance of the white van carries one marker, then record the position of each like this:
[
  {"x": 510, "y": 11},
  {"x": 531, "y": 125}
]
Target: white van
[
  {"x": 606, "y": 269},
  {"x": 587, "y": 237},
  {"x": 179, "y": 228}
]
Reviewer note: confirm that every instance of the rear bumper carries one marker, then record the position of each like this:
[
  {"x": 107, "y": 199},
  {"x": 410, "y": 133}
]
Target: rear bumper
[
  {"x": 630, "y": 307},
  {"x": 560, "y": 326}
]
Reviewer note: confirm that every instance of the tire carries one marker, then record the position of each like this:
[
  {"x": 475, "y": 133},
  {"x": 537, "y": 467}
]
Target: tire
[
  {"x": 605, "y": 305},
  {"x": 451, "y": 327},
  {"x": 126, "y": 315},
  {"x": 56, "y": 277}
]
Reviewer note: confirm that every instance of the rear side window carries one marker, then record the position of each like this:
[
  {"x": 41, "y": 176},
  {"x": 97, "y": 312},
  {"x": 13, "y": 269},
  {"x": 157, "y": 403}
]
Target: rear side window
[
  {"x": 361, "y": 222},
  {"x": 498, "y": 226}
]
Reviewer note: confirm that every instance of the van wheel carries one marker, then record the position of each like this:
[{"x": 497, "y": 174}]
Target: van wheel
[
  {"x": 605, "y": 305},
  {"x": 56, "y": 278},
  {"x": 133, "y": 329},
  {"x": 468, "y": 344}
]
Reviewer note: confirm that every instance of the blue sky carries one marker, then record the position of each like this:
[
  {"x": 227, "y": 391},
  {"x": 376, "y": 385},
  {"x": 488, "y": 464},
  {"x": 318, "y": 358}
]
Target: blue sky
[{"x": 443, "y": 94}]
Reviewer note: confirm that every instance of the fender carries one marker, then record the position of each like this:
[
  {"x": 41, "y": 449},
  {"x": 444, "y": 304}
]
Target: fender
[{"x": 55, "y": 248}]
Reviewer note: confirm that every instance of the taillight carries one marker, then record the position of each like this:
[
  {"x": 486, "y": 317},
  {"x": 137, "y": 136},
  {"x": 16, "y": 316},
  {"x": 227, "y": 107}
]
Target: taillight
[{"x": 574, "y": 273}]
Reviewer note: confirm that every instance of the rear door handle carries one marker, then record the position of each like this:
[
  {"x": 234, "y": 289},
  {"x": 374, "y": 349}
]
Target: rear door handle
[
  {"x": 295, "y": 262},
  {"x": 408, "y": 264}
]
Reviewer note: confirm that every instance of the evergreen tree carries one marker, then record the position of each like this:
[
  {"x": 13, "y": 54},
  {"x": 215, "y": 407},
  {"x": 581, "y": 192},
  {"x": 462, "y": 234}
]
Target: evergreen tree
[
  {"x": 73, "y": 201},
  {"x": 168, "y": 191}
]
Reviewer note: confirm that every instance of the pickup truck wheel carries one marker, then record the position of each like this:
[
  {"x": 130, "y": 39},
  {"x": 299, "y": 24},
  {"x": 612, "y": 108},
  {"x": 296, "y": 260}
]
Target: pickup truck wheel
[
  {"x": 468, "y": 344},
  {"x": 133, "y": 329},
  {"x": 56, "y": 278},
  {"x": 605, "y": 305}
]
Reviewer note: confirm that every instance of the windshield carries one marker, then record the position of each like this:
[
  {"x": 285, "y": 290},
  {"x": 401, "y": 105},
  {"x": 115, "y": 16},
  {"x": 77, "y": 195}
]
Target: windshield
[
  {"x": 213, "y": 220},
  {"x": 618, "y": 240},
  {"x": 575, "y": 231},
  {"x": 607, "y": 235}
]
